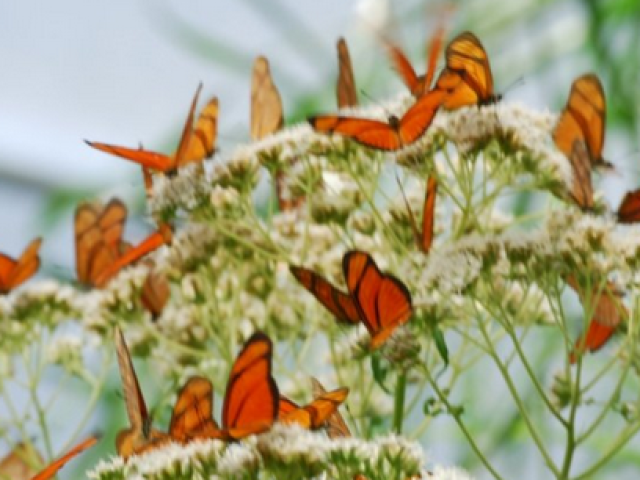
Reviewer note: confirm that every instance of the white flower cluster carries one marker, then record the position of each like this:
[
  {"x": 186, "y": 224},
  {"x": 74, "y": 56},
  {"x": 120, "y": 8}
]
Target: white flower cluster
[{"x": 285, "y": 448}]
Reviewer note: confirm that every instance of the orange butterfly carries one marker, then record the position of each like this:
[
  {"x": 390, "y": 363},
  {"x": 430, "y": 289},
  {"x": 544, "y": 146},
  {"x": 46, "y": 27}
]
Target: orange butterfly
[
  {"x": 196, "y": 143},
  {"x": 314, "y": 415},
  {"x": 424, "y": 240},
  {"x": 418, "y": 85},
  {"x": 155, "y": 291},
  {"x": 583, "y": 119},
  {"x": 608, "y": 313},
  {"x": 629, "y": 209},
  {"x": 391, "y": 135},
  {"x": 380, "y": 301},
  {"x": 250, "y": 403},
  {"x": 346, "y": 84},
  {"x": 52, "y": 468},
  {"x": 100, "y": 251},
  {"x": 140, "y": 436},
  {"x": 15, "y": 272},
  {"x": 466, "y": 78}
]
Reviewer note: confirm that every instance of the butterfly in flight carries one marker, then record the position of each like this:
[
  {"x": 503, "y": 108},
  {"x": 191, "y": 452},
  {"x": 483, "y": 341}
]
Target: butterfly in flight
[
  {"x": 345, "y": 85},
  {"x": 140, "y": 437},
  {"x": 197, "y": 142},
  {"x": 380, "y": 301},
  {"x": 607, "y": 313},
  {"x": 314, "y": 415},
  {"x": 250, "y": 403},
  {"x": 418, "y": 85},
  {"x": 14, "y": 272},
  {"x": 466, "y": 78},
  {"x": 583, "y": 119},
  {"x": 100, "y": 250},
  {"x": 51, "y": 470}
]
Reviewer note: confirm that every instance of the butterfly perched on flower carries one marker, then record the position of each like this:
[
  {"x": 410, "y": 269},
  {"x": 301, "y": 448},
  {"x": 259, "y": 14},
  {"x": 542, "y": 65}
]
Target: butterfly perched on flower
[
  {"x": 14, "y": 272},
  {"x": 379, "y": 301},
  {"x": 250, "y": 403},
  {"x": 466, "y": 78},
  {"x": 140, "y": 437},
  {"x": 100, "y": 249},
  {"x": 314, "y": 415}
]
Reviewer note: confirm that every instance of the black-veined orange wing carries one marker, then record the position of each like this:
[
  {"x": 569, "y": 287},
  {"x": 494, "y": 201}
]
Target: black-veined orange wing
[
  {"x": 581, "y": 187},
  {"x": 192, "y": 415},
  {"x": 391, "y": 135},
  {"x": 467, "y": 76},
  {"x": 318, "y": 412},
  {"x": 286, "y": 406},
  {"x": 15, "y": 272},
  {"x": 338, "y": 303},
  {"x": 583, "y": 119},
  {"x": 140, "y": 436},
  {"x": 629, "y": 209},
  {"x": 608, "y": 313},
  {"x": 346, "y": 84},
  {"x": 52, "y": 468},
  {"x": 252, "y": 398},
  {"x": 383, "y": 301},
  {"x": 335, "y": 425}
]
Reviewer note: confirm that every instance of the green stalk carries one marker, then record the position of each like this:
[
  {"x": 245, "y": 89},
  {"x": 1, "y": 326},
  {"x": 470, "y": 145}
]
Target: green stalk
[{"x": 398, "y": 402}]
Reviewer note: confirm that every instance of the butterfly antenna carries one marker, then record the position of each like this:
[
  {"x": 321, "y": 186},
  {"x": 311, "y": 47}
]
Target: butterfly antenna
[
  {"x": 377, "y": 103},
  {"x": 516, "y": 83}
]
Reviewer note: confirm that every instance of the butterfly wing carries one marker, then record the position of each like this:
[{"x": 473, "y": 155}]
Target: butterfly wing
[
  {"x": 111, "y": 222},
  {"x": 417, "y": 119},
  {"x": 428, "y": 214},
  {"x": 252, "y": 398},
  {"x": 581, "y": 187},
  {"x": 202, "y": 142},
  {"x": 346, "y": 84},
  {"x": 88, "y": 237},
  {"x": 370, "y": 133},
  {"x": 315, "y": 414},
  {"x": 583, "y": 118},
  {"x": 15, "y": 272},
  {"x": 629, "y": 209},
  {"x": 335, "y": 424},
  {"x": 286, "y": 406},
  {"x": 155, "y": 291},
  {"x": 339, "y": 304},
  {"x": 383, "y": 301},
  {"x": 266, "y": 104},
  {"x": 402, "y": 65},
  {"x": 192, "y": 415},
  {"x": 52, "y": 469},
  {"x": 608, "y": 313},
  {"x": 19, "y": 463},
  {"x": 147, "y": 158}
]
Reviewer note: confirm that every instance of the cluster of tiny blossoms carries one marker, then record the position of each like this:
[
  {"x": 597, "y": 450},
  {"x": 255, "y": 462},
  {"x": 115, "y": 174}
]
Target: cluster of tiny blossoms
[{"x": 229, "y": 272}]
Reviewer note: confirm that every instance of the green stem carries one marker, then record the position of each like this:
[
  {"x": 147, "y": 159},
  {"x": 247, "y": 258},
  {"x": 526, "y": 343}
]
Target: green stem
[{"x": 398, "y": 403}]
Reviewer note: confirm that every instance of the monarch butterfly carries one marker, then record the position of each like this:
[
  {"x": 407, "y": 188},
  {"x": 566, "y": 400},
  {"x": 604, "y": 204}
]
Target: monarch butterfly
[
  {"x": 583, "y": 119},
  {"x": 100, "y": 251},
  {"x": 424, "y": 240},
  {"x": 391, "y": 135},
  {"x": 346, "y": 84},
  {"x": 315, "y": 414},
  {"x": 380, "y": 301},
  {"x": 629, "y": 209},
  {"x": 15, "y": 272},
  {"x": 250, "y": 403},
  {"x": 155, "y": 291},
  {"x": 53, "y": 467},
  {"x": 608, "y": 313},
  {"x": 466, "y": 78},
  {"x": 418, "y": 85},
  {"x": 140, "y": 436},
  {"x": 196, "y": 143}
]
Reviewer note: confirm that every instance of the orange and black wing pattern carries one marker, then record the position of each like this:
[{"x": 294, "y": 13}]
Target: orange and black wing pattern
[
  {"x": 192, "y": 415},
  {"x": 583, "y": 119},
  {"x": 196, "y": 142},
  {"x": 629, "y": 209},
  {"x": 608, "y": 314},
  {"x": 98, "y": 238},
  {"x": 51, "y": 470},
  {"x": 251, "y": 399},
  {"x": 346, "y": 84},
  {"x": 15, "y": 272},
  {"x": 391, "y": 135},
  {"x": 383, "y": 301},
  {"x": 338, "y": 303},
  {"x": 314, "y": 415},
  {"x": 335, "y": 425},
  {"x": 139, "y": 437},
  {"x": 467, "y": 77},
  {"x": 581, "y": 187},
  {"x": 286, "y": 406}
]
